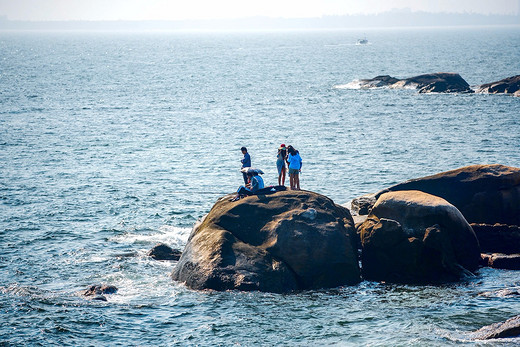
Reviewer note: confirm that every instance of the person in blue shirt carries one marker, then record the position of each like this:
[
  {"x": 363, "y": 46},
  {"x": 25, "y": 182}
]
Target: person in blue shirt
[
  {"x": 295, "y": 165},
  {"x": 255, "y": 184},
  {"x": 246, "y": 162}
]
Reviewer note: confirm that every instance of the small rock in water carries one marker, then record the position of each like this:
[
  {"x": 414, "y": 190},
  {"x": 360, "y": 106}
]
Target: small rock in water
[
  {"x": 96, "y": 291},
  {"x": 502, "y": 293},
  {"x": 163, "y": 252},
  {"x": 509, "y": 328}
]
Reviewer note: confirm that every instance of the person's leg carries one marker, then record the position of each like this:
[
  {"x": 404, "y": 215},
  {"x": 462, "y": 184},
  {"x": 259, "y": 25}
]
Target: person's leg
[
  {"x": 245, "y": 177},
  {"x": 291, "y": 180},
  {"x": 297, "y": 181},
  {"x": 283, "y": 177},
  {"x": 280, "y": 177}
]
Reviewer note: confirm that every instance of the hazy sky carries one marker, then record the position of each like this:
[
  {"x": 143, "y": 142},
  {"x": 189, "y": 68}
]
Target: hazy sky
[{"x": 217, "y": 9}]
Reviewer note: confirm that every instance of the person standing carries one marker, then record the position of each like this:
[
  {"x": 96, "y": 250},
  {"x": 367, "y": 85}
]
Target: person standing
[
  {"x": 281, "y": 157},
  {"x": 295, "y": 165},
  {"x": 246, "y": 162}
]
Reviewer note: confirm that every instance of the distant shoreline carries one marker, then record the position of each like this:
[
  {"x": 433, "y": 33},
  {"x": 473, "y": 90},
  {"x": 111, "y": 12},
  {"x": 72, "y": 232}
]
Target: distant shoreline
[{"x": 387, "y": 20}]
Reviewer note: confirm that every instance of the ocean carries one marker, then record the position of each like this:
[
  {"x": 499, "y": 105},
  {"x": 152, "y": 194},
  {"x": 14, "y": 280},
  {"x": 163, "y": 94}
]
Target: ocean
[{"x": 113, "y": 142}]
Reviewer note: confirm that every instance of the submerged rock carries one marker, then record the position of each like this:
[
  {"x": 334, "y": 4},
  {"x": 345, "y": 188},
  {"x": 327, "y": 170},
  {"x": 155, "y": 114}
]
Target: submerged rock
[
  {"x": 509, "y": 328},
  {"x": 482, "y": 193},
  {"x": 287, "y": 241},
  {"x": 164, "y": 252},
  {"x": 498, "y": 238},
  {"x": 509, "y": 85},
  {"x": 414, "y": 237},
  {"x": 441, "y": 82},
  {"x": 97, "y": 291}
]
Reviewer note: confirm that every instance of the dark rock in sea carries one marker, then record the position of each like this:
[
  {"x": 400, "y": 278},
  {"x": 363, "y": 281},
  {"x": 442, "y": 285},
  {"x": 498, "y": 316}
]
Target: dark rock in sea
[
  {"x": 163, "y": 252},
  {"x": 441, "y": 82},
  {"x": 378, "y": 81},
  {"x": 414, "y": 237},
  {"x": 483, "y": 193},
  {"x": 290, "y": 240},
  {"x": 96, "y": 291},
  {"x": 509, "y": 328},
  {"x": 498, "y": 238},
  {"x": 510, "y": 85},
  {"x": 502, "y": 261}
]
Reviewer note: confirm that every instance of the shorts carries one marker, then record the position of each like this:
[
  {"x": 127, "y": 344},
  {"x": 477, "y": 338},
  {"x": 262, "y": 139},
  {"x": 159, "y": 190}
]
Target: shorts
[{"x": 293, "y": 171}]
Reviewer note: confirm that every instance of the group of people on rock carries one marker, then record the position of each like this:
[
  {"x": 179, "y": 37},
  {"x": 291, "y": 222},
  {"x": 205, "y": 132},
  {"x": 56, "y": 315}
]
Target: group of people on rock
[{"x": 287, "y": 157}]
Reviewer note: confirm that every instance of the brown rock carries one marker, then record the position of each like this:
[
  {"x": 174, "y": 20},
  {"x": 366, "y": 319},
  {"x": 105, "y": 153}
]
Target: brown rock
[
  {"x": 502, "y": 261},
  {"x": 414, "y": 237},
  {"x": 483, "y": 193},
  {"x": 286, "y": 241},
  {"x": 164, "y": 252}
]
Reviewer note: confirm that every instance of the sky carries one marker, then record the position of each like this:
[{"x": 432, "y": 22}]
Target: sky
[{"x": 60, "y": 10}]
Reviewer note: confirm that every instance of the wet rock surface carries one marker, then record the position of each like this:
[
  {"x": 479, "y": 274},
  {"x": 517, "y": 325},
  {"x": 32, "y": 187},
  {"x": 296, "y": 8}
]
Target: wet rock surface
[{"x": 507, "y": 329}]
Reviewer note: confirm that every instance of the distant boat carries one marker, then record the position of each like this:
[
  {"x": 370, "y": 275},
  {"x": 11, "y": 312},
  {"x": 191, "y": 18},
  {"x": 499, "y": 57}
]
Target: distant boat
[{"x": 362, "y": 41}]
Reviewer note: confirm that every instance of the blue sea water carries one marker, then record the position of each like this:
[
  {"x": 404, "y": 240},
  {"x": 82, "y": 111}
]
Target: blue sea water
[{"x": 112, "y": 142}]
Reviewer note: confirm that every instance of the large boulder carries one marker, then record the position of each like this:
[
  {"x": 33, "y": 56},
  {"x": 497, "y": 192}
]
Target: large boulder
[
  {"x": 509, "y": 85},
  {"x": 414, "y": 237},
  {"x": 441, "y": 82},
  {"x": 287, "y": 241},
  {"x": 483, "y": 193}
]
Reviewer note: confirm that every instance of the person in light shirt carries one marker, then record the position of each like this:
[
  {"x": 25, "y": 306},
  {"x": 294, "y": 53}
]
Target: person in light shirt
[{"x": 295, "y": 165}]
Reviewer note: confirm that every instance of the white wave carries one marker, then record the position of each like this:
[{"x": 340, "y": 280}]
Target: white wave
[
  {"x": 355, "y": 84},
  {"x": 170, "y": 235}
]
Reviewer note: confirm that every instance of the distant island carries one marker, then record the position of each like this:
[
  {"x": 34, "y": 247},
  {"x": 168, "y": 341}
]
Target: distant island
[{"x": 394, "y": 18}]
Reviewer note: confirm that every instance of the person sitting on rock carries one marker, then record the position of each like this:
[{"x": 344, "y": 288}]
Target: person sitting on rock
[{"x": 255, "y": 183}]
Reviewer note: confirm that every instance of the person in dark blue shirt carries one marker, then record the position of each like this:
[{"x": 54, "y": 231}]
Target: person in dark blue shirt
[{"x": 246, "y": 162}]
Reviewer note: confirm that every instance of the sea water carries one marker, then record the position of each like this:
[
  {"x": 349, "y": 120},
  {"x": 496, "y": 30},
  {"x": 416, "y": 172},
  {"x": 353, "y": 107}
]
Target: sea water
[{"x": 113, "y": 142}]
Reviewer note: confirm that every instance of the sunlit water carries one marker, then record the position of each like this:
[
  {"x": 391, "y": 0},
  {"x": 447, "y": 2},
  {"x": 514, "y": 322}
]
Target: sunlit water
[{"x": 110, "y": 143}]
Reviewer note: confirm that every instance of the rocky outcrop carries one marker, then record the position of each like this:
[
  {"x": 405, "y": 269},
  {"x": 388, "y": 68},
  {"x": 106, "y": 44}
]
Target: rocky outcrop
[
  {"x": 509, "y": 328},
  {"x": 441, "y": 82},
  {"x": 276, "y": 243},
  {"x": 483, "y": 193},
  {"x": 414, "y": 237},
  {"x": 501, "y": 261},
  {"x": 510, "y": 85},
  {"x": 164, "y": 252},
  {"x": 98, "y": 291},
  {"x": 498, "y": 238}
]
